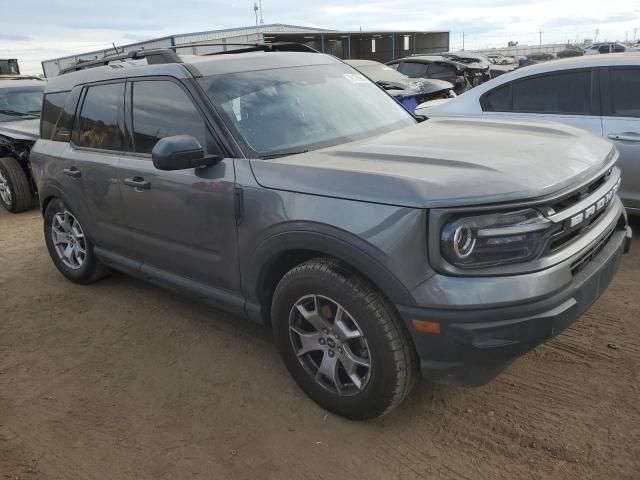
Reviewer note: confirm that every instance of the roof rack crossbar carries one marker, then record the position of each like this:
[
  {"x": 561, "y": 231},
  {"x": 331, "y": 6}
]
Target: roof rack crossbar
[
  {"x": 153, "y": 56},
  {"x": 250, "y": 47}
]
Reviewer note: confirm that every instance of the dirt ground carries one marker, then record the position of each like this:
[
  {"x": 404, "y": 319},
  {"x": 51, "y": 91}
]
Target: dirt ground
[{"x": 122, "y": 380}]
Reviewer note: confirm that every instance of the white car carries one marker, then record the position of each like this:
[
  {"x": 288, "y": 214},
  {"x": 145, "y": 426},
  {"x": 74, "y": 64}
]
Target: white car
[
  {"x": 499, "y": 59},
  {"x": 598, "y": 93}
]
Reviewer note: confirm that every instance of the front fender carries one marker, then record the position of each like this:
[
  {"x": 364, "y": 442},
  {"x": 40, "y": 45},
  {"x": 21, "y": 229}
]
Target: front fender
[{"x": 364, "y": 257}]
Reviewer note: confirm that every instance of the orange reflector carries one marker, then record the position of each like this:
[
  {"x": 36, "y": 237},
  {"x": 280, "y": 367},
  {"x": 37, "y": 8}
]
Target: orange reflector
[{"x": 427, "y": 327}]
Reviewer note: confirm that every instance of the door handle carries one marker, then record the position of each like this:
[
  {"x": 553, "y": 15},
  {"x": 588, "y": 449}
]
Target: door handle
[
  {"x": 625, "y": 137},
  {"x": 137, "y": 182},
  {"x": 72, "y": 172}
]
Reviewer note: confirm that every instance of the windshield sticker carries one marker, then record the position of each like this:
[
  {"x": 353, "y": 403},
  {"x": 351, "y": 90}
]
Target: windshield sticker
[{"x": 356, "y": 78}]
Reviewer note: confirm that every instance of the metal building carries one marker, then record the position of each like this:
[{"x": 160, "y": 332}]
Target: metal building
[{"x": 381, "y": 46}]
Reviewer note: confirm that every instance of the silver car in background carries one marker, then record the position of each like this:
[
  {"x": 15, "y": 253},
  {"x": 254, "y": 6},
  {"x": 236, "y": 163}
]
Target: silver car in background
[{"x": 599, "y": 93}]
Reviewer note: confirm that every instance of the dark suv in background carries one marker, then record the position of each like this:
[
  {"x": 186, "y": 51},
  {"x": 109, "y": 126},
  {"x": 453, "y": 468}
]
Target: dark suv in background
[{"x": 285, "y": 187}]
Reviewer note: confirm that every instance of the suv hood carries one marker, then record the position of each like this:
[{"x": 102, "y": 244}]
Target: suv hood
[
  {"x": 21, "y": 129},
  {"x": 445, "y": 162}
]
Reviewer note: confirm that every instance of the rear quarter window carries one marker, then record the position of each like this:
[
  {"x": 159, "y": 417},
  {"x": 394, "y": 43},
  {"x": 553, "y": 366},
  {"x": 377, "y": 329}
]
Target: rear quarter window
[
  {"x": 52, "y": 107},
  {"x": 497, "y": 100}
]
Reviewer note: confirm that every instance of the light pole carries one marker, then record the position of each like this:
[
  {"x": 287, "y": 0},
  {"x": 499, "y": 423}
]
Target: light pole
[
  {"x": 255, "y": 10},
  {"x": 540, "y": 33}
]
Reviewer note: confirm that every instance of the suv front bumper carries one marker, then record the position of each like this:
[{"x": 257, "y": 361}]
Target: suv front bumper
[{"x": 475, "y": 344}]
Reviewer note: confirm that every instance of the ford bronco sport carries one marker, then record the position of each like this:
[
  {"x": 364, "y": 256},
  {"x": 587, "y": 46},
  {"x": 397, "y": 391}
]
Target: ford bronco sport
[
  {"x": 285, "y": 187},
  {"x": 20, "y": 104}
]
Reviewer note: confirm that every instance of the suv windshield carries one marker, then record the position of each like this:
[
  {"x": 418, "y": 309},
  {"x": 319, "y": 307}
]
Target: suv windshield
[
  {"x": 20, "y": 102},
  {"x": 296, "y": 109}
]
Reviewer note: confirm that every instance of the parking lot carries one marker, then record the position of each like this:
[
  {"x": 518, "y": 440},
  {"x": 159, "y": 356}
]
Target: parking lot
[{"x": 124, "y": 380}]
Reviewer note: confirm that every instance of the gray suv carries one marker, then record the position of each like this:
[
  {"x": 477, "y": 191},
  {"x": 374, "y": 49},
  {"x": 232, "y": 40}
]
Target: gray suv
[{"x": 287, "y": 188}]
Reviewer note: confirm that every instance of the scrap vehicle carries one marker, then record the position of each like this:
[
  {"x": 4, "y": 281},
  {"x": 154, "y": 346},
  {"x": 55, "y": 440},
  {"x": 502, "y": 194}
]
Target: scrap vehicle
[
  {"x": 276, "y": 184},
  {"x": 20, "y": 105},
  {"x": 596, "y": 93},
  {"x": 462, "y": 74},
  {"x": 410, "y": 92}
]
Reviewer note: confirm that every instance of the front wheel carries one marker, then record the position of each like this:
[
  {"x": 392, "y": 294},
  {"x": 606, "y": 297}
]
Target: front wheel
[
  {"x": 69, "y": 245},
  {"x": 341, "y": 341},
  {"x": 15, "y": 190}
]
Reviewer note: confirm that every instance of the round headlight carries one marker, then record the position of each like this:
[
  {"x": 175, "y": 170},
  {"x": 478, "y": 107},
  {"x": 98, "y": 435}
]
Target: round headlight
[{"x": 464, "y": 241}]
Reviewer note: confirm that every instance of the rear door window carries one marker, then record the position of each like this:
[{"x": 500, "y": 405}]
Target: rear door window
[
  {"x": 161, "y": 109},
  {"x": 101, "y": 120},
  {"x": 558, "y": 92},
  {"x": 625, "y": 91}
]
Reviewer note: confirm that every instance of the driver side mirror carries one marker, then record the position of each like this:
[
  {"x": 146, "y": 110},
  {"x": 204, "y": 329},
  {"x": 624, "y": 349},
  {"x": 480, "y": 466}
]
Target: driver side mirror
[{"x": 181, "y": 152}]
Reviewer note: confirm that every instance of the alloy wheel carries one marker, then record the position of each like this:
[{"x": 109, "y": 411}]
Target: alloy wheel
[
  {"x": 330, "y": 345},
  {"x": 5, "y": 190},
  {"x": 68, "y": 239}
]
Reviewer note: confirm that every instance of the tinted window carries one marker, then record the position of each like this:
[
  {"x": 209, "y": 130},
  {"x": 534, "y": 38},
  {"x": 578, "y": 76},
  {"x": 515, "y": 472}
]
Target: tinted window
[
  {"x": 100, "y": 121},
  {"x": 413, "y": 69},
  {"x": 625, "y": 91},
  {"x": 51, "y": 110},
  {"x": 604, "y": 49},
  {"x": 62, "y": 131},
  {"x": 618, "y": 48},
  {"x": 498, "y": 100},
  {"x": 566, "y": 92},
  {"x": 438, "y": 69},
  {"x": 163, "y": 109}
]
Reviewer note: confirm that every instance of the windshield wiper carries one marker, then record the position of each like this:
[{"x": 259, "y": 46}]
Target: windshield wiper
[
  {"x": 281, "y": 154},
  {"x": 18, "y": 114}
]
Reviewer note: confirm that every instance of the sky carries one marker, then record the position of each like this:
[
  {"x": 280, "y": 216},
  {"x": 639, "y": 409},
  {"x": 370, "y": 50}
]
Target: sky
[{"x": 36, "y": 30}]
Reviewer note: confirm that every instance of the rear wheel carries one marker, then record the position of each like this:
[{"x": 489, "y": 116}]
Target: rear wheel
[
  {"x": 69, "y": 245},
  {"x": 15, "y": 190},
  {"x": 341, "y": 341}
]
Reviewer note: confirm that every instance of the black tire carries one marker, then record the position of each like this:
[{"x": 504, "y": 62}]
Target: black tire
[
  {"x": 18, "y": 184},
  {"x": 393, "y": 360},
  {"x": 91, "y": 270}
]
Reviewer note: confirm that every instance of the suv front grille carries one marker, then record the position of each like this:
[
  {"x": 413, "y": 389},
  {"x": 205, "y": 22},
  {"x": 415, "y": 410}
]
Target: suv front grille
[
  {"x": 579, "y": 195},
  {"x": 579, "y": 211}
]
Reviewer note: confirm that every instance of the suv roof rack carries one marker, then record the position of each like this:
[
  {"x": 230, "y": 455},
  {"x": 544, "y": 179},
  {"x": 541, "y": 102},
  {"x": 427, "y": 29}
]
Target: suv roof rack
[
  {"x": 251, "y": 47},
  {"x": 168, "y": 54},
  {"x": 156, "y": 55}
]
